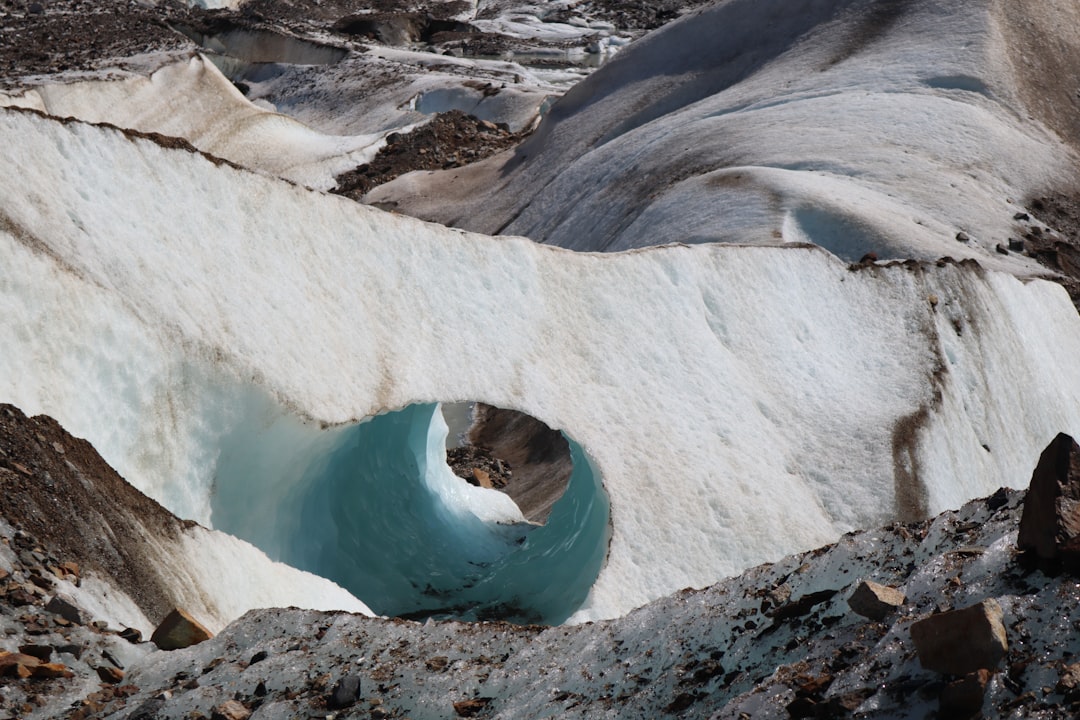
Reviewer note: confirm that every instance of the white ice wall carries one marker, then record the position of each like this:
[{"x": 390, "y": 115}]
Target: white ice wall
[{"x": 740, "y": 402}]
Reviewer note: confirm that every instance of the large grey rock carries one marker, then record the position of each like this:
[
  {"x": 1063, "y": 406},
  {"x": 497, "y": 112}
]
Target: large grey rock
[{"x": 962, "y": 641}]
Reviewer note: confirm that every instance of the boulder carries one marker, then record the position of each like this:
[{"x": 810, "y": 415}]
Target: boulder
[
  {"x": 1050, "y": 525},
  {"x": 179, "y": 630},
  {"x": 959, "y": 642},
  {"x": 875, "y": 601}
]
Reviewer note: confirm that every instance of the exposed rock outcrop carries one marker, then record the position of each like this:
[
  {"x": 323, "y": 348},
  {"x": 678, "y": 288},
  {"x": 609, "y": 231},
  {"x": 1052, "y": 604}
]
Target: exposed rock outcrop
[{"x": 1050, "y": 526}]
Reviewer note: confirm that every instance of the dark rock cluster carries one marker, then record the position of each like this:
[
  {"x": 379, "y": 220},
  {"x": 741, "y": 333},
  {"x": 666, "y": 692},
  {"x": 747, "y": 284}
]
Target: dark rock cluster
[{"x": 451, "y": 139}]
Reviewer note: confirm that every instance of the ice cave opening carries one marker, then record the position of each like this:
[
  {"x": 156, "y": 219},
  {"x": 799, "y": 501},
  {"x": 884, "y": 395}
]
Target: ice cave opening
[{"x": 375, "y": 507}]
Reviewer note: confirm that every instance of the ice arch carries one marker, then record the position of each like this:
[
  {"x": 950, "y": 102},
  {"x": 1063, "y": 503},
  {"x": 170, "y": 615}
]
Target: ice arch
[{"x": 374, "y": 507}]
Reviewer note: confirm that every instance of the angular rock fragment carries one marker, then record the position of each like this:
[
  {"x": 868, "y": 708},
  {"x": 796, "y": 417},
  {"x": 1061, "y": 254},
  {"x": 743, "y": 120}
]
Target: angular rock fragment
[
  {"x": 963, "y": 698},
  {"x": 1069, "y": 682},
  {"x": 179, "y": 630},
  {"x": 52, "y": 670},
  {"x": 472, "y": 707},
  {"x": 1050, "y": 525},
  {"x": 66, "y": 608},
  {"x": 132, "y": 635},
  {"x": 17, "y": 664},
  {"x": 108, "y": 674},
  {"x": 959, "y": 642},
  {"x": 875, "y": 601},
  {"x": 345, "y": 692},
  {"x": 41, "y": 652},
  {"x": 230, "y": 710}
]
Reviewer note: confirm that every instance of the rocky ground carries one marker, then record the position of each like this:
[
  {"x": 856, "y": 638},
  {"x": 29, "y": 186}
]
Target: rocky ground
[
  {"x": 973, "y": 612},
  {"x": 449, "y": 140}
]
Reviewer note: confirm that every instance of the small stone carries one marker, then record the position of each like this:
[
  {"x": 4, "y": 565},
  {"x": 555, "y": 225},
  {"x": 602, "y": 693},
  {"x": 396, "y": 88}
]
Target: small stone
[
  {"x": 41, "y": 652},
  {"x": 1001, "y": 249},
  {"x": 75, "y": 651},
  {"x": 959, "y": 642},
  {"x": 179, "y": 630},
  {"x": 963, "y": 698},
  {"x": 230, "y": 710},
  {"x": 1021, "y": 216},
  {"x": 483, "y": 479},
  {"x": 72, "y": 568},
  {"x": 963, "y": 236},
  {"x": 437, "y": 663},
  {"x": 875, "y": 601},
  {"x": 52, "y": 670},
  {"x": 132, "y": 635},
  {"x": 66, "y": 608},
  {"x": 345, "y": 692},
  {"x": 469, "y": 708},
  {"x": 1016, "y": 245},
  {"x": 258, "y": 657},
  {"x": 111, "y": 675},
  {"x": 1069, "y": 682}
]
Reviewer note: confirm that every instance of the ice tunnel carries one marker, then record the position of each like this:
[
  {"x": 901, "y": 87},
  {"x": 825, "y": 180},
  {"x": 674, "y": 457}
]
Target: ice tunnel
[{"x": 374, "y": 507}]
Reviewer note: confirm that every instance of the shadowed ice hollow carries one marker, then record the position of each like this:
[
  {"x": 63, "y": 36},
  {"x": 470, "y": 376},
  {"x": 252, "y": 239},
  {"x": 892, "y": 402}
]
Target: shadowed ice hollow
[{"x": 374, "y": 507}]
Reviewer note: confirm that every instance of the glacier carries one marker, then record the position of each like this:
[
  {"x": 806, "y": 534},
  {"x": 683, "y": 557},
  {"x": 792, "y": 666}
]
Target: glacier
[
  {"x": 861, "y": 126},
  {"x": 736, "y": 402}
]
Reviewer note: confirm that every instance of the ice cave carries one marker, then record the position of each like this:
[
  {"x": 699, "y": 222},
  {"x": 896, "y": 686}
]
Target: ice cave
[{"x": 374, "y": 507}]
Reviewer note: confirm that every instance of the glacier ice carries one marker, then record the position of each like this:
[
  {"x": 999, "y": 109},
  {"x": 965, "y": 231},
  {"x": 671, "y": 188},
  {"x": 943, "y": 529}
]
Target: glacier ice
[
  {"x": 374, "y": 507},
  {"x": 737, "y": 402}
]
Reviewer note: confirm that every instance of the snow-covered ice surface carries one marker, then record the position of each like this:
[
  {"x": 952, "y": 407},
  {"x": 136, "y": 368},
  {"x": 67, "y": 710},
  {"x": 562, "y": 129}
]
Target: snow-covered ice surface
[
  {"x": 745, "y": 647},
  {"x": 885, "y": 127},
  {"x": 738, "y": 403}
]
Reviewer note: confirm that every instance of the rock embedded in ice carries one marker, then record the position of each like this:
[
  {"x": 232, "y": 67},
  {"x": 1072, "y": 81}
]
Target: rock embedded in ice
[
  {"x": 875, "y": 601},
  {"x": 66, "y": 608},
  {"x": 958, "y": 642},
  {"x": 179, "y": 630}
]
